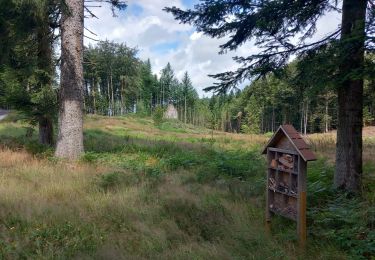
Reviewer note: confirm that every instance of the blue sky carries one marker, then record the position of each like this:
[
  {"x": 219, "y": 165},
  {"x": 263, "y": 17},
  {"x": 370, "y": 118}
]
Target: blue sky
[
  {"x": 162, "y": 39},
  {"x": 189, "y": 3}
]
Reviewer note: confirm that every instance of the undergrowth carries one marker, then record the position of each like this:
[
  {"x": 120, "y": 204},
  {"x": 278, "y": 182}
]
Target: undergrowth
[
  {"x": 345, "y": 219},
  {"x": 170, "y": 197}
]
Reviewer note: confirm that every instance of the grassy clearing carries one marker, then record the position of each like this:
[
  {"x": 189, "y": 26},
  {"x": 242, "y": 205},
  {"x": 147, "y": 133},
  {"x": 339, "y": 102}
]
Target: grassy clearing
[{"x": 166, "y": 192}]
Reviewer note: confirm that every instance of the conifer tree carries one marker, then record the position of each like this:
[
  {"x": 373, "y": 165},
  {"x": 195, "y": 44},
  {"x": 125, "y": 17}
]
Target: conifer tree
[
  {"x": 70, "y": 133},
  {"x": 27, "y": 73}
]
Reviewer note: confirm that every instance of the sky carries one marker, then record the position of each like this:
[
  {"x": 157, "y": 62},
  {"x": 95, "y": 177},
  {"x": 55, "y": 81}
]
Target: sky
[{"x": 162, "y": 39}]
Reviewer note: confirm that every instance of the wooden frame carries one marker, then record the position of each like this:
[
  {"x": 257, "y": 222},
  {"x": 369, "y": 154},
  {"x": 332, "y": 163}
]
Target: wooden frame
[{"x": 287, "y": 156}]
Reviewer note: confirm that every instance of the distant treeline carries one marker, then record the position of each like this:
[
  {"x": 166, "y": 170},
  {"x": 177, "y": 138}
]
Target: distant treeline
[
  {"x": 117, "y": 83},
  {"x": 268, "y": 102}
]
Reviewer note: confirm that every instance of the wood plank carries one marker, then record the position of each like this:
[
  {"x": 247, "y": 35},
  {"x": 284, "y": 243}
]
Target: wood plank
[
  {"x": 283, "y": 170},
  {"x": 268, "y": 213},
  {"x": 272, "y": 149},
  {"x": 282, "y": 192},
  {"x": 301, "y": 206}
]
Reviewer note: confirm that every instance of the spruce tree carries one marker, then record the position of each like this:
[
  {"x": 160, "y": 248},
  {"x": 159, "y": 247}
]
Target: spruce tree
[
  {"x": 70, "y": 133},
  {"x": 27, "y": 73},
  {"x": 187, "y": 89}
]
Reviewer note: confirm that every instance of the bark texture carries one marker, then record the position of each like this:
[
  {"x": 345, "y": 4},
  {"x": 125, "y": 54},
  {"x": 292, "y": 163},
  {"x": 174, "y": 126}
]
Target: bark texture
[
  {"x": 350, "y": 97},
  {"x": 70, "y": 134}
]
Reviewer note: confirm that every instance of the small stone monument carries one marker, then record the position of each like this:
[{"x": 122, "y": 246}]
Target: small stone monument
[{"x": 171, "y": 112}]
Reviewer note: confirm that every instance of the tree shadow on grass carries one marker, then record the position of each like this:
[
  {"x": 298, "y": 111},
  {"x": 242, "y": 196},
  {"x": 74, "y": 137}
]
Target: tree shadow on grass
[
  {"x": 207, "y": 161},
  {"x": 102, "y": 141}
]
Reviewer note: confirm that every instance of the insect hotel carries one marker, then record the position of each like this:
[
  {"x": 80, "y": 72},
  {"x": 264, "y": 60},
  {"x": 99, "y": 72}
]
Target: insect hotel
[{"x": 287, "y": 157}]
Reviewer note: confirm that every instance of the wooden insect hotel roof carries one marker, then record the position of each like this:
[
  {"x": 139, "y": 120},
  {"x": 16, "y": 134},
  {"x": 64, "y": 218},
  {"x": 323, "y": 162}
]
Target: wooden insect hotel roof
[{"x": 287, "y": 138}]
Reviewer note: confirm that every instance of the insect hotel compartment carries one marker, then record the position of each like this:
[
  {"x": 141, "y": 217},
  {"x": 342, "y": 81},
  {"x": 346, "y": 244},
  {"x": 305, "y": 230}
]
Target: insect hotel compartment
[
  {"x": 282, "y": 177},
  {"x": 286, "y": 162},
  {"x": 294, "y": 185},
  {"x": 272, "y": 180},
  {"x": 283, "y": 205},
  {"x": 283, "y": 184}
]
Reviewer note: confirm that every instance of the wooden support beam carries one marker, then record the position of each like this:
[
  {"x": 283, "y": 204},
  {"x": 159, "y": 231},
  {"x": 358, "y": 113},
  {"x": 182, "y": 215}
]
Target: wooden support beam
[
  {"x": 268, "y": 212},
  {"x": 302, "y": 201}
]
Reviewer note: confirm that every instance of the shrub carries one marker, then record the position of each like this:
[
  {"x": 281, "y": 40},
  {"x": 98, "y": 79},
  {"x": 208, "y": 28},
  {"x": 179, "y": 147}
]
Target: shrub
[
  {"x": 268, "y": 134},
  {"x": 342, "y": 218},
  {"x": 141, "y": 109},
  {"x": 89, "y": 157},
  {"x": 109, "y": 181},
  {"x": 36, "y": 148},
  {"x": 182, "y": 159},
  {"x": 158, "y": 115}
]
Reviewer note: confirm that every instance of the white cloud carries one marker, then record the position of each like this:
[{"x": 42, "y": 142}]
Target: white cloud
[
  {"x": 195, "y": 52},
  {"x": 195, "y": 36}
]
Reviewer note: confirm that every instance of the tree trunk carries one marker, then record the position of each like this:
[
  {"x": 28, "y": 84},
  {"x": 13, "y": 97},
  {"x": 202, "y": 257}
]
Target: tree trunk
[
  {"x": 273, "y": 119},
  {"x": 302, "y": 116},
  {"x": 326, "y": 114},
  {"x": 112, "y": 97},
  {"x": 85, "y": 98},
  {"x": 121, "y": 97},
  {"x": 194, "y": 117},
  {"x": 185, "y": 110},
  {"x": 44, "y": 36},
  {"x": 45, "y": 131},
  {"x": 306, "y": 117},
  {"x": 348, "y": 173},
  {"x": 70, "y": 134},
  {"x": 162, "y": 94},
  {"x": 109, "y": 99},
  {"x": 94, "y": 95},
  {"x": 262, "y": 121}
]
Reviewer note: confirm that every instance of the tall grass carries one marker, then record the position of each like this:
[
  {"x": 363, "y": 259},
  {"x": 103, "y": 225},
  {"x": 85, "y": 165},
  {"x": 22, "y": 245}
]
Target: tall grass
[{"x": 148, "y": 192}]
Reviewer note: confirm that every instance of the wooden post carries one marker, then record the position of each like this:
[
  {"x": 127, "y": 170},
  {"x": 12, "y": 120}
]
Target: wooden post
[
  {"x": 301, "y": 207},
  {"x": 268, "y": 213}
]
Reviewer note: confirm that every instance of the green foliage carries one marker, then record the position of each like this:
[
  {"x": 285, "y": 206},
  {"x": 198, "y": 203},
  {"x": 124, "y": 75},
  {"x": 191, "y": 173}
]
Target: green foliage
[
  {"x": 113, "y": 71},
  {"x": 37, "y": 148},
  {"x": 158, "y": 115},
  {"x": 342, "y": 218},
  {"x": 26, "y": 67},
  {"x": 241, "y": 165},
  {"x": 259, "y": 23},
  {"x": 141, "y": 109},
  {"x": 268, "y": 134},
  {"x": 120, "y": 82},
  {"x": 14, "y": 117},
  {"x": 35, "y": 239},
  {"x": 109, "y": 181}
]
